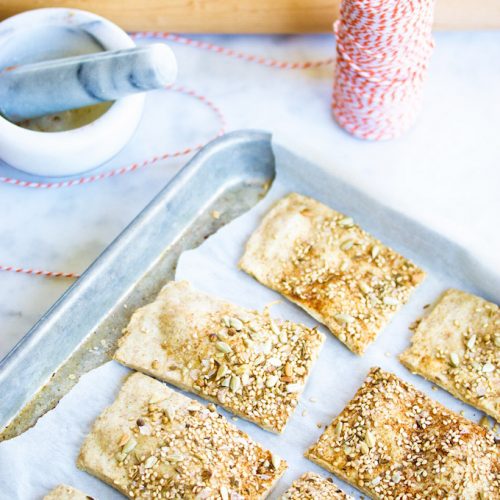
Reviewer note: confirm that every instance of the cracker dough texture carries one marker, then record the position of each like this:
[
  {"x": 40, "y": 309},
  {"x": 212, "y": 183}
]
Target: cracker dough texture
[
  {"x": 311, "y": 486},
  {"x": 392, "y": 441},
  {"x": 252, "y": 365},
  {"x": 321, "y": 260},
  {"x": 154, "y": 442},
  {"x": 64, "y": 492},
  {"x": 457, "y": 346}
]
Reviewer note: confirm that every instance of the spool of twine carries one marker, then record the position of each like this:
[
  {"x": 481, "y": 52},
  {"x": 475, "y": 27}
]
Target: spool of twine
[{"x": 383, "y": 49}]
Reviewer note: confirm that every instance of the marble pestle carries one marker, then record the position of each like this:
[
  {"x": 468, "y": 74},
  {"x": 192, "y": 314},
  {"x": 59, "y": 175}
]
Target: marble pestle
[{"x": 47, "y": 87}]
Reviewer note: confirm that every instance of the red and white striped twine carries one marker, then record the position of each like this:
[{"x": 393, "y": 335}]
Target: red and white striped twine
[
  {"x": 133, "y": 166},
  {"x": 39, "y": 272},
  {"x": 383, "y": 48}
]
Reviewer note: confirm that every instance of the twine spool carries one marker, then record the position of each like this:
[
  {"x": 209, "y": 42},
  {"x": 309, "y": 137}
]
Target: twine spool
[{"x": 383, "y": 48}]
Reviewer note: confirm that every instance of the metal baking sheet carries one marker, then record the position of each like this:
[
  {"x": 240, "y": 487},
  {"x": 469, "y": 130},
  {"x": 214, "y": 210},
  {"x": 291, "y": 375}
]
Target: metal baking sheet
[
  {"x": 80, "y": 331},
  {"x": 229, "y": 176}
]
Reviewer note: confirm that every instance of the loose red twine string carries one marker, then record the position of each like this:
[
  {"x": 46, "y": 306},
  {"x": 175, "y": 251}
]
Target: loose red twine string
[
  {"x": 382, "y": 52},
  {"x": 272, "y": 63}
]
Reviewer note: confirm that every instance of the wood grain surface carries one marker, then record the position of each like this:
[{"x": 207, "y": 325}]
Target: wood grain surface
[{"x": 249, "y": 16}]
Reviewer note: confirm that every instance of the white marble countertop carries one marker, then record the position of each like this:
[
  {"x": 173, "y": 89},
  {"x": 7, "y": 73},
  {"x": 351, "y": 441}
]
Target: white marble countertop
[{"x": 445, "y": 172}]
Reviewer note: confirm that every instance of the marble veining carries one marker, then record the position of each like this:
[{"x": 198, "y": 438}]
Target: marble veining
[{"x": 444, "y": 172}]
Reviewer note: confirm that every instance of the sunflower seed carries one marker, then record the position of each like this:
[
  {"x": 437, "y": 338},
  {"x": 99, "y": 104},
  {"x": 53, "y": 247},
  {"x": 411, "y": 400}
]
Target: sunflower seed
[
  {"x": 120, "y": 456},
  {"x": 293, "y": 387},
  {"x": 454, "y": 359},
  {"x": 157, "y": 398},
  {"x": 346, "y": 222},
  {"x": 347, "y": 244},
  {"x": 283, "y": 337},
  {"x": 364, "y": 448},
  {"x": 370, "y": 439},
  {"x": 488, "y": 368},
  {"x": 275, "y": 460},
  {"x": 150, "y": 461},
  {"x": 124, "y": 438},
  {"x": 221, "y": 372},
  {"x": 245, "y": 379},
  {"x": 129, "y": 445},
  {"x": 276, "y": 362},
  {"x": 271, "y": 381},
  {"x": 396, "y": 477},
  {"x": 235, "y": 384},
  {"x": 274, "y": 328},
  {"x": 375, "y": 251},
  {"x": 223, "y": 347},
  {"x": 471, "y": 342},
  {"x": 344, "y": 318},
  {"x": 236, "y": 324},
  {"x": 484, "y": 422},
  {"x": 391, "y": 301},
  {"x": 480, "y": 391},
  {"x": 364, "y": 287},
  {"x": 338, "y": 428},
  {"x": 224, "y": 493}
]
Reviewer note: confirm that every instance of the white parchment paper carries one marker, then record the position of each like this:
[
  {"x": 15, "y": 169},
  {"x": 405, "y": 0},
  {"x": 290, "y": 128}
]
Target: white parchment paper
[{"x": 45, "y": 455}]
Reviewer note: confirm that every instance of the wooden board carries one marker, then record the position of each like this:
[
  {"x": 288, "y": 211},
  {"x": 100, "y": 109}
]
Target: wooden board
[{"x": 249, "y": 16}]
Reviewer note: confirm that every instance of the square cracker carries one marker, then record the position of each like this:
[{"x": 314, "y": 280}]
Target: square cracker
[
  {"x": 252, "y": 365},
  {"x": 392, "y": 441},
  {"x": 457, "y": 346},
  {"x": 153, "y": 442},
  {"x": 311, "y": 486},
  {"x": 64, "y": 492},
  {"x": 322, "y": 261}
]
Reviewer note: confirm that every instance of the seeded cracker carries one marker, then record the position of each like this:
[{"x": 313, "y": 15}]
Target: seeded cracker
[
  {"x": 311, "y": 486},
  {"x": 153, "y": 442},
  {"x": 322, "y": 261},
  {"x": 254, "y": 366},
  {"x": 392, "y": 441},
  {"x": 63, "y": 492},
  {"x": 457, "y": 346}
]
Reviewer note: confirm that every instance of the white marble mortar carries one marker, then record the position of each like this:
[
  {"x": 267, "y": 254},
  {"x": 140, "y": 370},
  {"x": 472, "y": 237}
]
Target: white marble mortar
[{"x": 53, "y": 33}]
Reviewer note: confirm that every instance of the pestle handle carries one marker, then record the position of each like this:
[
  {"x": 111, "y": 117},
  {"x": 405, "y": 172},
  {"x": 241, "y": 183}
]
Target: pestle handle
[{"x": 33, "y": 90}]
